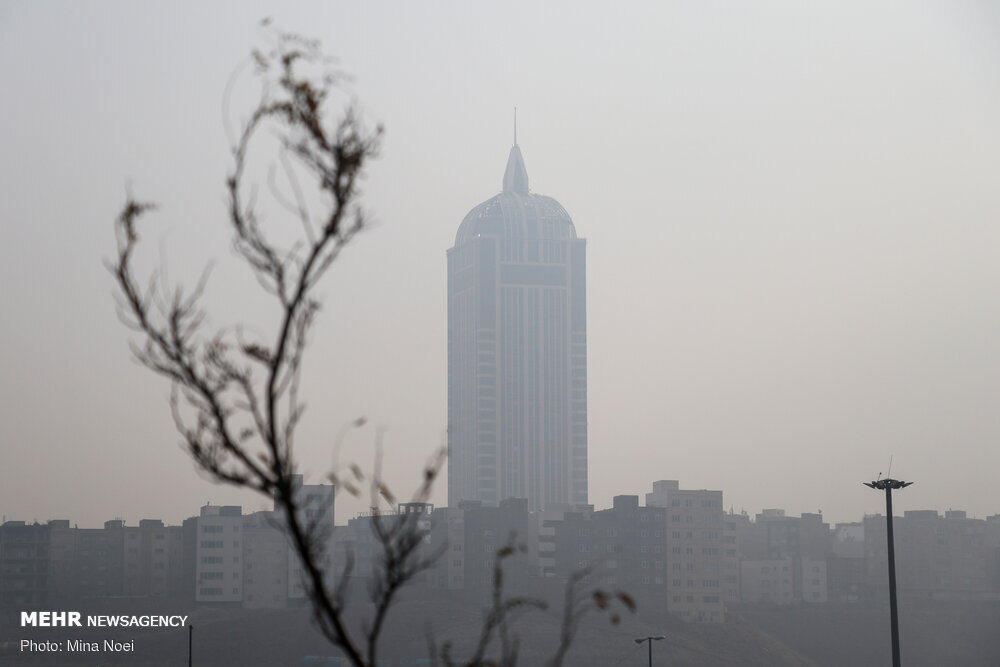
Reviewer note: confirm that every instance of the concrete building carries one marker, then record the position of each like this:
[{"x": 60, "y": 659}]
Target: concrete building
[
  {"x": 316, "y": 504},
  {"x": 733, "y": 525},
  {"x": 265, "y": 562},
  {"x": 24, "y": 568},
  {"x": 775, "y": 540},
  {"x": 812, "y": 577},
  {"x": 489, "y": 529},
  {"x": 517, "y": 351},
  {"x": 151, "y": 559},
  {"x": 770, "y": 582},
  {"x": 623, "y": 546},
  {"x": 542, "y": 536},
  {"x": 847, "y": 540},
  {"x": 94, "y": 560},
  {"x": 63, "y": 575},
  {"x": 448, "y": 537},
  {"x": 358, "y": 548},
  {"x": 417, "y": 518},
  {"x": 943, "y": 557},
  {"x": 845, "y": 567},
  {"x": 219, "y": 554},
  {"x": 695, "y": 529},
  {"x": 355, "y": 549}
]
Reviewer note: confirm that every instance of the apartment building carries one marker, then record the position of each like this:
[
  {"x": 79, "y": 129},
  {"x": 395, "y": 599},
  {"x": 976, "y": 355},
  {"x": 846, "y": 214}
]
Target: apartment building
[
  {"x": 219, "y": 554},
  {"x": 695, "y": 529}
]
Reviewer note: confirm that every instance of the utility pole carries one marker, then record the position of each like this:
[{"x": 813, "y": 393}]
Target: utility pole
[{"x": 888, "y": 485}]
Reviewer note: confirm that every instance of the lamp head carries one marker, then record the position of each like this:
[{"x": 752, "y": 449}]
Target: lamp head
[{"x": 887, "y": 483}]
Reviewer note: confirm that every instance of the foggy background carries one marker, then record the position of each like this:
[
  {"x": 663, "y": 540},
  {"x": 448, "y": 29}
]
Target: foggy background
[{"x": 791, "y": 213}]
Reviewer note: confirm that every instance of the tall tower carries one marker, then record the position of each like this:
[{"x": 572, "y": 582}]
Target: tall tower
[{"x": 517, "y": 350}]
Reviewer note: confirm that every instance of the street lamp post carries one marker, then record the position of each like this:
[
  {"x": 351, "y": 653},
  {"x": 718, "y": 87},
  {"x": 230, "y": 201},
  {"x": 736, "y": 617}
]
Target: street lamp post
[
  {"x": 888, "y": 485},
  {"x": 639, "y": 640}
]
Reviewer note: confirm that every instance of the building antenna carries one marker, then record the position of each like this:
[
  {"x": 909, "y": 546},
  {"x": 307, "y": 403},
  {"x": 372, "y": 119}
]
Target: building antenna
[{"x": 515, "y": 126}]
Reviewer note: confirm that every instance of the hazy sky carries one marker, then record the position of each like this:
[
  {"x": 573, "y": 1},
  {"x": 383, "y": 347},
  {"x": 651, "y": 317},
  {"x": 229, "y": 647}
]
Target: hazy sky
[{"x": 792, "y": 213}]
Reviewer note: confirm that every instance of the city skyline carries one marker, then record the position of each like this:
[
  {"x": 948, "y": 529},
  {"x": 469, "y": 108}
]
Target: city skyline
[{"x": 790, "y": 215}]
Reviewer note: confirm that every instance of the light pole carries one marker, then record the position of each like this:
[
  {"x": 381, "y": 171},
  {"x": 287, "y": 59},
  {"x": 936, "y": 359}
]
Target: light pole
[
  {"x": 888, "y": 485},
  {"x": 639, "y": 640}
]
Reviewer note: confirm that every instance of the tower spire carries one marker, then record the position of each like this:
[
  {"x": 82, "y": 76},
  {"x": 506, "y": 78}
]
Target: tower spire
[{"x": 515, "y": 177}]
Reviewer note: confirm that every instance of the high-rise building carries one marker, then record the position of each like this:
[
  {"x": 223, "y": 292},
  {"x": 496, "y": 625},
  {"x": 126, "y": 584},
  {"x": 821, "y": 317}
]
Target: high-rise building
[{"x": 517, "y": 351}]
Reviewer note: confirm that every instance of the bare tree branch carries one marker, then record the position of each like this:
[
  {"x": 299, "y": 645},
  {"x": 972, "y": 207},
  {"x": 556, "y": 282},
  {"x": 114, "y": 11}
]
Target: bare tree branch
[{"x": 236, "y": 402}]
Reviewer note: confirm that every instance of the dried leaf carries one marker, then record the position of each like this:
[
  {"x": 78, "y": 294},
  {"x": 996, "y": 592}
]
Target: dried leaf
[
  {"x": 626, "y": 600},
  {"x": 387, "y": 494},
  {"x": 258, "y": 352}
]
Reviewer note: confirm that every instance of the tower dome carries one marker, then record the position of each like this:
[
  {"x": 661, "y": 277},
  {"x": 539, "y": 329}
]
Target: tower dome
[{"x": 515, "y": 213}]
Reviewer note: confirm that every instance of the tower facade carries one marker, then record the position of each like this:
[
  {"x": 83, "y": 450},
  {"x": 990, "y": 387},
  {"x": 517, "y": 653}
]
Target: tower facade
[{"x": 517, "y": 351}]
